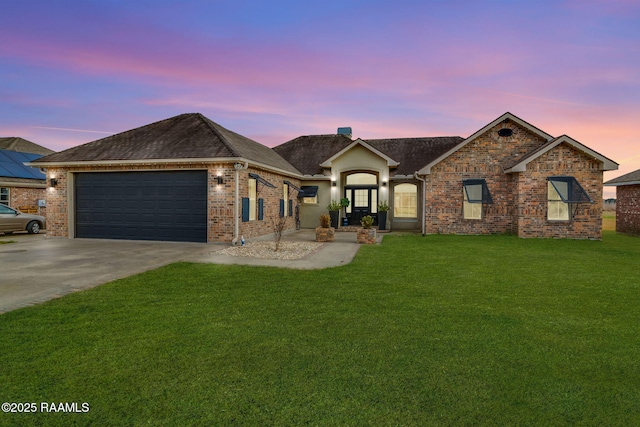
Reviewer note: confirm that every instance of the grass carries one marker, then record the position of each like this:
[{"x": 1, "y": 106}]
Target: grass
[
  {"x": 609, "y": 220},
  {"x": 436, "y": 330}
]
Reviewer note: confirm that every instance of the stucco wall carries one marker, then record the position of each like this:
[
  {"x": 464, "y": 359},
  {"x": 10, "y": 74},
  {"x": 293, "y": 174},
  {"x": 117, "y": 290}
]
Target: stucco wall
[
  {"x": 628, "y": 209},
  {"x": 310, "y": 213}
]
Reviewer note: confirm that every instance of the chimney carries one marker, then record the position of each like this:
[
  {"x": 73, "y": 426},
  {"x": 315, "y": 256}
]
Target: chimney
[{"x": 346, "y": 131}]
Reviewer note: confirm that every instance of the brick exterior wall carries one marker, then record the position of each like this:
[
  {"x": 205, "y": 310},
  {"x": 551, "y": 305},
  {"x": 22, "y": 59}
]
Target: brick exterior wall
[
  {"x": 486, "y": 157},
  {"x": 519, "y": 198},
  {"x": 532, "y": 190},
  {"x": 271, "y": 196},
  {"x": 628, "y": 209},
  {"x": 27, "y": 196},
  {"x": 221, "y": 198}
]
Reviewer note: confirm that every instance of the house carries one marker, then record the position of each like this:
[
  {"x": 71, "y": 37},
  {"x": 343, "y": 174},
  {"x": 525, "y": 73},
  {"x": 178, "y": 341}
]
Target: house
[
  {"x": 627, "y": 202},
  {"x": 22, "y": 187},
  {"x": 188, "y": 178}
]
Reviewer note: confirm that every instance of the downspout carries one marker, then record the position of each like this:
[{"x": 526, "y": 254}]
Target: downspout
[
  {"x": 236, "y": 205},
  {"x": 424, "y": 201}
]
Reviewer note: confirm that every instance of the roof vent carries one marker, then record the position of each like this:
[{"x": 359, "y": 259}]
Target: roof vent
[{"x": 346, "y": 131}]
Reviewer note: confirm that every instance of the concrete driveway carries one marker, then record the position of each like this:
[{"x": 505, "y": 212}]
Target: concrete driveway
[{"x": 36, "y": 269}]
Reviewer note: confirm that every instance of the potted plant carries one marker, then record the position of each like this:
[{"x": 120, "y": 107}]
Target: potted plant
[
  {"x": 334, "y": 211},
  {"x": 325, "y": 233},
  {"x": 344, "y": 202},
  {"x": 366, "y": 234},
  {"x": 383, "y": 208}
]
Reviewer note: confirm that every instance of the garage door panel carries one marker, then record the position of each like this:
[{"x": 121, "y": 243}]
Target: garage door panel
[{"x": 167, "y": 205}]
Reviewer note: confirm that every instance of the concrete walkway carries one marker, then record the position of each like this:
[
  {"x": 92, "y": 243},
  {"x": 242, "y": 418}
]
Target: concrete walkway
[{"x": 35, "y": 269}]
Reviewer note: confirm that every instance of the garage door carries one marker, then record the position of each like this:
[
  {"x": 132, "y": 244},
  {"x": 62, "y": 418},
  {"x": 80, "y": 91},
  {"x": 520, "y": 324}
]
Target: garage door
[{"x": 142, "y": 205}]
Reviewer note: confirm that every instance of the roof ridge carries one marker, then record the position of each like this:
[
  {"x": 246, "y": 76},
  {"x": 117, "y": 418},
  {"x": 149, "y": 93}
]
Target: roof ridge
[{"x": 210, "y": 124}]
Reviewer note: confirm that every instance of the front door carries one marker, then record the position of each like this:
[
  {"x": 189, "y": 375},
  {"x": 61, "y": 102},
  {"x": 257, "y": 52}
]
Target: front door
[{"x": 363, "y": 202}]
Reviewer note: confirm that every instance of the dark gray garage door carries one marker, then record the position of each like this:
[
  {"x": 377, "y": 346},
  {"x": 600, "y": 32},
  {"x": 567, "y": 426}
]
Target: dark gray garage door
[{"x": 142, "y": 205}]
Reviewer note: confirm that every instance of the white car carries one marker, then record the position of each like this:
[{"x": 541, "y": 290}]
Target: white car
[{"x": 12, "y": 220}]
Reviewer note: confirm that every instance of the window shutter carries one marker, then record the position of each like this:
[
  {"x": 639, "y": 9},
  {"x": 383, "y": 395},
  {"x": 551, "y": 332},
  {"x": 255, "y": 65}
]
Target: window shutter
[
  {"x": 260, "y": 209},
  {"x": 290, "y": 207},
  {"x": 281, "y": 208},
  {"x": 245, "y": 209}
]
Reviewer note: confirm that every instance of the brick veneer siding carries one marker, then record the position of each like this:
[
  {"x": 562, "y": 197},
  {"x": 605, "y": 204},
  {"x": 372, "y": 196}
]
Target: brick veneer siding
[
  {"x": 27, "y": 196},
  {"x": 519, "y": 199},
  {"x": 221, "y": 198},
  {"x": 628, "y": 209},
  {"x": 486, "y": 157},
  {"x": 532, "y": 196},
  {"x": 271, "y": 196}
]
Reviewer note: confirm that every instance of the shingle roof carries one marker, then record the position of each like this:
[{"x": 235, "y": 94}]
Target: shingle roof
[
  {"x": 414, "y": 153},
  {"x": 307, "y": 152},
  {"x": 14, "y": 143},
  {"x": 631, "y": 178},
  {"x": 187, "y": 136}
]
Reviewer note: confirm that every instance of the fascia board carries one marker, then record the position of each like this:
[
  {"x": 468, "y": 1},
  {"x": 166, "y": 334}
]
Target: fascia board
[
  {"x": 164, "y": 162},
  {"x": 607, "y": 164}
]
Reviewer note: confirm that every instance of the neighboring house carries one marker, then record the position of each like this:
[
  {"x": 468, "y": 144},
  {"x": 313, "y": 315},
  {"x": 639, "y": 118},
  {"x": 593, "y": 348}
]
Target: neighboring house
[
  {"x": 627, "y": 202},
  {"x": 22, "y": 187},
  {"x": 188, "y": 178}
]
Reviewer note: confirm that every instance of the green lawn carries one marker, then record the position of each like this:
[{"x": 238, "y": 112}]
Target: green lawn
[{"x": 436, "y": 330}]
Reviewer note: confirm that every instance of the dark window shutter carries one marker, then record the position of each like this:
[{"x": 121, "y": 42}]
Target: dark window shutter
[
  {"x": 260, "y": 209},
  {"x": 245, "y": 209},
  {"x": 290, "y": 207},
  {"x": 281, "y": 208}
]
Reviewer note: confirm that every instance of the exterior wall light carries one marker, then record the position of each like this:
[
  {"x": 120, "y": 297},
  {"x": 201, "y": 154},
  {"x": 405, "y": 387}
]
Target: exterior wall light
[
  {"x": 334, "y": 184},
  {"x": 220, "y": 180},
  {"x": 53, "y": 182}
]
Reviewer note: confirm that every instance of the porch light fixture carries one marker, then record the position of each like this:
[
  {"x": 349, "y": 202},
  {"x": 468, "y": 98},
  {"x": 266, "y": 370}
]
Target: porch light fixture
[
  {"x": 384, "y": 183},
  {"x": 53, "y": 182},
  {"x": 334, "y": 184},
  {"x": 220, "y": 180}
]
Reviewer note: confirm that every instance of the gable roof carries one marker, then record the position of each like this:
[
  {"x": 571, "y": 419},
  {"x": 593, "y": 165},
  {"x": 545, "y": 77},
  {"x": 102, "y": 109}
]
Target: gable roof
[
  {"x": 407, "y": 155},
  {"x": 521, "y": 164},
  {"x": 505, "y": 117},
  {"x": 390, "y": 162},
  {"x": 14, "y": 143},
  {"x": 185, "y": 137},
  {"x": 631, "y": 178},
  {"x": 306, "y": 153}
]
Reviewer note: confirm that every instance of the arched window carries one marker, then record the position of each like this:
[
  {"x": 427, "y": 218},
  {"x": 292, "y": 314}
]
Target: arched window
[{"x": 405, "y": 201}]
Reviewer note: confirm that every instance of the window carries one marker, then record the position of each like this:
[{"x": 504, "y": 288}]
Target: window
[
  {"x": 563, "y": 195},
  {"x": 285, "y": 196},
  {"x": 405, "y": 201},
  {"x": 253, "y": 195},
  {"x": 309, "y": 194},
  {"x": 475, "y": 194},
  {"x": 4, "y": 196}
]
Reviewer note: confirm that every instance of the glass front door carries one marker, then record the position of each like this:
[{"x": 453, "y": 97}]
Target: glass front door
[{"x": 363, "y": 201}]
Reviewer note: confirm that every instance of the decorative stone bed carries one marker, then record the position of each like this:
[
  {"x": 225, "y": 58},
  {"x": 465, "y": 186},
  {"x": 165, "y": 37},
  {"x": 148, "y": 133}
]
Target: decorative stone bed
[{"x": 265, "y": 250}]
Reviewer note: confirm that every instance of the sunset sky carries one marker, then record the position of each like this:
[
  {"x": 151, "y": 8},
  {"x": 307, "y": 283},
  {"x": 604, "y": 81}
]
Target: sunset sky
[{"x": 75, "y": 71}]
